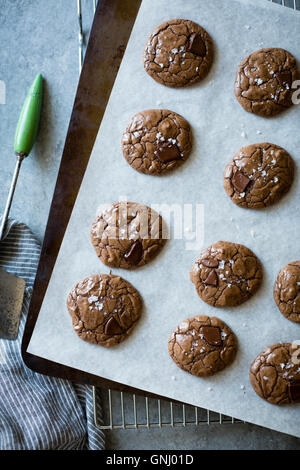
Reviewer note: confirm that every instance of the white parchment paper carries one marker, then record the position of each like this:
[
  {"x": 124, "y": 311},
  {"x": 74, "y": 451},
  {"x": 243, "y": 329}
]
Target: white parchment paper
[{"x": 220, "y": 128}]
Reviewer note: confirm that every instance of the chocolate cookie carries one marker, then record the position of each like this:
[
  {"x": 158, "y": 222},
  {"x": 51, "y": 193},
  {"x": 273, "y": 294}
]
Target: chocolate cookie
[
  {"x": 287, "y": 291},
  {"x": 127, "y": 235},
  {"x": 157, "y": 141},
  {"x": 264, "y": 80},
  {"x": 258, "y": 175},
  {"x": 275, "y": 373},
  {"x": 104, "y": 309},
  {"x": 202, "y": 345},
  {"x": 178, "y": 53},
  {"x": 226, "y": 274}
]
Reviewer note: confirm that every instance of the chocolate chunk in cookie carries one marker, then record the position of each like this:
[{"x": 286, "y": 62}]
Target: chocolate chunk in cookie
[
  {"x": 212, "y": 279},
  {"x": 287, "y": 291},
  {"x": 157, "y": 141},
  {"x": 135, "y": 253},
  {"x": 275, "y": 373},
  {"x": 294, "y": 391},
  {"x": 210, "y": 263},
  {"x": 258, "y": 175},
  {"x": 178, "y": 53},
  {"x": 240, "y": 181},
  {"x": 202, "y": 345},
  {"x": 211, "y": 335},
  {"x": 168, "y": 152},
  {"x": 226, "y": 274},
  {"x": 104, "y": 309},
  {"x": 264, "y": 80},
  {"x": 112, "y": 327},
  {"x": 127, "y": 235},
  {"x": 196, "y": 45}
]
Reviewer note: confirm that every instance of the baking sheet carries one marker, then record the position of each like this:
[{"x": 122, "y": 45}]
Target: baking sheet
[{"x": 220, "y": 128}]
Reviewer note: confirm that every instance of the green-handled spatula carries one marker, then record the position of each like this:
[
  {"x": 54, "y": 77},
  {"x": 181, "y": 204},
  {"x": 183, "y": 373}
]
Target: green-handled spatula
[
  {"x": 25, "y": 137},
  {"x": 12, "y": 287}
]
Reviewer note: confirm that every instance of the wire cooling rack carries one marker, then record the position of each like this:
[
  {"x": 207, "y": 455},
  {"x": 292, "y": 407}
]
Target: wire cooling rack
[{"x": 129, "y": 411}]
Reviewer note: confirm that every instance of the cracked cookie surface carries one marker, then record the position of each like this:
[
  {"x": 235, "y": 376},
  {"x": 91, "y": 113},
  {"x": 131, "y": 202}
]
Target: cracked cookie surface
[
  {"x": 275, "y": 374},
  {"x": 258, "y": 175},
  {"x": 202, "y": 345},
  {"x": 104, "y": 309},
  {"x": 157, "y": 141},
  {"x": 226, "y": 274},
  {"x": 263, "y": 84},
  {"x": 127, "y": 235},
  {"x": 287, "y": 291},
  {"x": 178, "y": 53}
]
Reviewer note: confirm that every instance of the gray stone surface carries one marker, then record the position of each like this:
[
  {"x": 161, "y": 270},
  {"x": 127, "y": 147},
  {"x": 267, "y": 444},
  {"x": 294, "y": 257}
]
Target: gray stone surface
[
  {"x": 42, "y": 36},
  {"x": 37, "y": 36},
  {"x": 221, "y": 437}
]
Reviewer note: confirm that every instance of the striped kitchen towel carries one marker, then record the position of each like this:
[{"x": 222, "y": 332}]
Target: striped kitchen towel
[{"x": 38, "y": 412}]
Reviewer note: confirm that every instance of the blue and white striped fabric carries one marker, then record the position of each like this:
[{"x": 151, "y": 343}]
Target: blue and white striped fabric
[{"x": 38, "y": 412}]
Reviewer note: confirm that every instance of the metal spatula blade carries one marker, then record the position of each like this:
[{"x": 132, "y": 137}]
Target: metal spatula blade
[{"x": 11, "y": 298}]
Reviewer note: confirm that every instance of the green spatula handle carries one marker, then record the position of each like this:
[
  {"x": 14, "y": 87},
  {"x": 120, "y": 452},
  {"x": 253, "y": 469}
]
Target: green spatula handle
[{"x": 29, "y": 118}]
